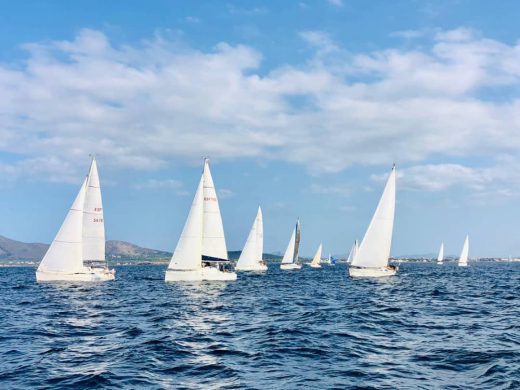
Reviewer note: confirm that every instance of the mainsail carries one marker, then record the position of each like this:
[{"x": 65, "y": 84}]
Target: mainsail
[
  {"x": 317, "y": 257},
  {"x": 213, "y": 241},
  {"x": 65, "y": 254},
  {"x": 374, "y": 250},
  {"x": 93, "y": 222},
  {"x": 254, "y": 247},
  {"x": 463, "y": 260}
]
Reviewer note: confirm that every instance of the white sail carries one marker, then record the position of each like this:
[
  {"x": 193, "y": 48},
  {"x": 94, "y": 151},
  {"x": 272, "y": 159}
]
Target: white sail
[
  {"x": 213, "y": 242},
  {"x": 289, "y": 252},
  {"x": 463, "y": 259},
  {"x": 93, "y": 221},
  {"x": 254, "y": 247},
  {"x": 440, "y": 257},
  {"x": 188, "y": 252},
  {"x": 317, "y": 257},
  {"x": 374, "y": 250},
  {"x": 353, "y": 251},
  {"x": 65, "y": 254}
]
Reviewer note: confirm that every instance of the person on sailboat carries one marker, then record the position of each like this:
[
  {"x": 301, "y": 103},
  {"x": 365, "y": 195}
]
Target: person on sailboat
[{"x": 391, "y": 267}]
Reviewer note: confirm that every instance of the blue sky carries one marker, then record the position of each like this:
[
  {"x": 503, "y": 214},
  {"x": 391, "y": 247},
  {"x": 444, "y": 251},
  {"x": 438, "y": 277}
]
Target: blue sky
[{"x": 302, "y": 107}]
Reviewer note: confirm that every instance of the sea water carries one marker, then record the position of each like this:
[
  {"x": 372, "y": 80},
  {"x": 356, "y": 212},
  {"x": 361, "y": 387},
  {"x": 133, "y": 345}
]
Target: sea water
[{"x": 428, "y": 327}]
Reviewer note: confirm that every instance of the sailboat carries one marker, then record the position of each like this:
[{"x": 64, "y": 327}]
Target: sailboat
[
  {"x": 315, "y": 263},
  {"x": 201, "y": 252},
  {"x": 371, "y": 259},
  {"x": 77, "y": 253},
  {"x": 463, "y": 259},
  {"x": 251, "y": 256},
  {"x": 290, "y": 258},
  {"x": 353, "y": 251},
  {"x": 440, "y": 258}
]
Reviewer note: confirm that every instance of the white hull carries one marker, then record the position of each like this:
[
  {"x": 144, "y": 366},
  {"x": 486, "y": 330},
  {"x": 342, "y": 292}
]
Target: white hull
[
  {"x": 206, "y": 273},
  {"x": 255, "y": 268},
  {"x": 371, "y": 272},
  {"x": 92, "y": 275},
  {"x": 315, "y": 265},
  {"x": 463, "y": 265},
  {"x": 440, "y": 263},
  {"x": 289, "y": 266}
]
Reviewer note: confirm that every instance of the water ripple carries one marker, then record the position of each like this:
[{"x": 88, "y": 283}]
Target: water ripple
[{"x": 428, "y": 328}]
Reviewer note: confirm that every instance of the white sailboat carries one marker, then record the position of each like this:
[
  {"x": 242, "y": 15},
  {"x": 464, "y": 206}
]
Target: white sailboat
[
  {"x": 77, "y": 253},
  {"x": 290, "y": 258},
  {"x": 315, "y": 263},
  {"x": 201, "y": 252},
  {"x": 463, "y": 259},
  {"x": 440, "y": 257},
  {"x": 371, "y": 259},
  {"x": 353, "y": 251},
  {"x": 251, "y": 256}
]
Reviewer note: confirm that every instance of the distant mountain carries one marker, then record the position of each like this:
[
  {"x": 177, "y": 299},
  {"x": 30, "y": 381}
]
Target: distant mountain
[
  {"x": 128, "y": 251},
  {"x": 12, "y": 250},
  {"x": 16, "y": 250}
]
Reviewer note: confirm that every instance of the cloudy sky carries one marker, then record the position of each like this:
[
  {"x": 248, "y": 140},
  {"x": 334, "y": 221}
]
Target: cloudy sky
[{"x": 302, "y": 107}]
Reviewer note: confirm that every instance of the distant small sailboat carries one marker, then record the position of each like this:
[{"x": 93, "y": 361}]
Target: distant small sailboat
[
  {"x": 440, "y": 257},
  {"x": 353, "y": 251},
  {"x": 371, "y": 259},
  {"x": 290, "y": 258},
  {"x": 315, "y": 263},
  {"x": 201, "y": 252},
  {"x": 463, "y": 259},
  {"x": 77, "y": 253},
  {"x": 251, "y": 256}
]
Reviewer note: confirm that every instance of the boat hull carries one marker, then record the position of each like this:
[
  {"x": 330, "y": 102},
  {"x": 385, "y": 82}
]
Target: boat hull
[
  {"x": 290, "y": 266},
  {"x": 356, "y": 272},
  {"x": 314, "y": 265},
  {"x": 87, "y": 276},
  {"x": 440, "y": 263},
  {"x": 256, "y": 268},
  {"x": 206, "y": 273},
  {"x": 463, "y": 265}
]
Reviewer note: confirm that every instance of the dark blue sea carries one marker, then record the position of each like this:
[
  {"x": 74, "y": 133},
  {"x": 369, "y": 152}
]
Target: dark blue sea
[{"x": 430, "y": 327}]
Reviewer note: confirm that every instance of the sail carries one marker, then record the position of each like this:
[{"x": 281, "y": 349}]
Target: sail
[
  {"x": 213, "y": 241},
  {"x": 317, "y": 257},
  {"x": 440, "y": 258},
  {"x": 65, "y": 254},
  {"x": 252, "y": 252},
  {"x": 296, "y": 242},
  {"x": 188, "y": 252},
  {"x": 93, "y": 221},
  {"x": 353, "y": 251},
  {"x": 289, "y": 252},
  {"x": 374, "y": 250},
  {"x": 465, "y": 252}
]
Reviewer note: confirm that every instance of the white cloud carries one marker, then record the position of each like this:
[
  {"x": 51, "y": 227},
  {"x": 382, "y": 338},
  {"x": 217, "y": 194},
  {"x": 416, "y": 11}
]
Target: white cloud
[
  {"x": 224, "y": 193},
  {"x": 338, "y": 189},
  {"x": 152, "y": 104},
  {"x": 160, "y": 184},
  {"x": 336, "y": 3},
  {"x": 499, "y": 179}
]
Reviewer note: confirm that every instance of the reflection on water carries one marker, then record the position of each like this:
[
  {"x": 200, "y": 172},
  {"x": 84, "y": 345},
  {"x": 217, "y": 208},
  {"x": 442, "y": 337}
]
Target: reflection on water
[{"x": 430, "y": 326}]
